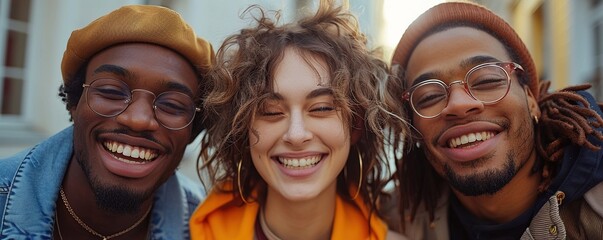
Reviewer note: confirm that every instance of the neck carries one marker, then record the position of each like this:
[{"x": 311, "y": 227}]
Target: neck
[
  {"x": 82, "y": 201},
  {"x": 307, "y": 219},
  {"x": 512, "y": 200}
]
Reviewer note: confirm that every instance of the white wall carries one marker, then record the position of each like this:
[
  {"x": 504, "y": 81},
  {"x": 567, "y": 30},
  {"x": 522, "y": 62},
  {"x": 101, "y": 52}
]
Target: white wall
[{"x": 581, "y": 49}]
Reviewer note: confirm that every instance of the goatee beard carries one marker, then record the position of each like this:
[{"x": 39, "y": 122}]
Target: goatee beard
[
  {"x": 483, "y": 183},
  {"x": 114, "y": 199}
]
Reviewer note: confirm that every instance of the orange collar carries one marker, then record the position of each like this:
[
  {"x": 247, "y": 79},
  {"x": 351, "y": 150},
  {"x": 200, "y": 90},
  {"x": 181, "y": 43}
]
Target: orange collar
[{"x": 221, "y": 216}]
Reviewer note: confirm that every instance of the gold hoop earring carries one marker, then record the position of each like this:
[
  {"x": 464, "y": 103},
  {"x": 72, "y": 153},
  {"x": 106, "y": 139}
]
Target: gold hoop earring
[
  {"x": 360, "y": 181},
  {"x": 239, "y": 181}
]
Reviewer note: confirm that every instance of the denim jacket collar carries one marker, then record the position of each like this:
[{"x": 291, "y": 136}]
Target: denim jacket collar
[{"x": 30, "y": 203}]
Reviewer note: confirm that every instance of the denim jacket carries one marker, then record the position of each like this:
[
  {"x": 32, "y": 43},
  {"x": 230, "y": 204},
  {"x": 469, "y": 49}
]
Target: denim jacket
[{"x": 29, "y": 188}]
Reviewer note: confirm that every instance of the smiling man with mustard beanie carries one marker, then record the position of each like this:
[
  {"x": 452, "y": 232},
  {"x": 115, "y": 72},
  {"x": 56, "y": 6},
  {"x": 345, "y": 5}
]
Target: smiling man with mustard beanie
[{"x": 133, "y": 81}]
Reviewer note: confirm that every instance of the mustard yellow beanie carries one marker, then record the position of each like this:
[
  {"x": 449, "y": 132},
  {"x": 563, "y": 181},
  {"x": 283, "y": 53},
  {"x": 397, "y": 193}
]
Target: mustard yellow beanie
[{"x": 136, "y": 24}]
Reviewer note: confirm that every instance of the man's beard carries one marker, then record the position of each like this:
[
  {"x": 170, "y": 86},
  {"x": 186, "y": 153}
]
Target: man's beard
[
  {"x": 118, "y": 199},
  {"x": 491, "y": 181},
  {"x": 483, "y": 183}
]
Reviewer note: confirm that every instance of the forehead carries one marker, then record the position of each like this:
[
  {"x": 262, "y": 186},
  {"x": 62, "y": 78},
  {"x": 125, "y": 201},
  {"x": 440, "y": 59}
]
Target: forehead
[
  {"x": 298, "y": 68},
  {"x": 143, "y": 65},
  {"x": 446, "y": 51}
]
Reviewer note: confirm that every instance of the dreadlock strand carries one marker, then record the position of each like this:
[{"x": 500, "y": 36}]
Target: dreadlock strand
[
  {"x": 586, "y": 112},
  {"x": 575, "y": 132},
  {"x": 540, "y": 149},
  {"x": 566, "y": 118},
  {"x": 554, "y": 147},
  {"x": 556, "y": 155},
  {"x": 563, "y": 94},
  {"x": 555, "y": 120},
  {"x": 585, "y": 125},
  {"x": 576, "y": 88}
]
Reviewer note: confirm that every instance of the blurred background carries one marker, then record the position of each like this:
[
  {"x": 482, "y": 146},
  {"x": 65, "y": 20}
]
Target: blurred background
[{"x": 565, "y": 38}]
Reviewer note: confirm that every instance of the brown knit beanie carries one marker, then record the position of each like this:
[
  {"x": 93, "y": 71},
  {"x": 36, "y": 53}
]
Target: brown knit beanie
[
  {"x": 472, "y": 15},
  {"x": 136, "y": 24}
]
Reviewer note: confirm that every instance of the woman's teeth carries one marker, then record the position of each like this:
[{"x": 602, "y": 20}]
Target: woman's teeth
[
  {"x": 130, "y": 151},
  {"x": 469, "y": 138},
  {"x": 305, "y": 162}
]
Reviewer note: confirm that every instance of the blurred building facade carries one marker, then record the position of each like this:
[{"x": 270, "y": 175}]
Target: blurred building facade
[{"x": 565, "y": 38}]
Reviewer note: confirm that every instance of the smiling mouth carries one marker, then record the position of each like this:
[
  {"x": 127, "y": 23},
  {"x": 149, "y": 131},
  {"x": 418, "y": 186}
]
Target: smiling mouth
[
  {"x": 130, "y": 154},
  {"x": 300, "y": 163},
  {"x": 467, "y": 140}
]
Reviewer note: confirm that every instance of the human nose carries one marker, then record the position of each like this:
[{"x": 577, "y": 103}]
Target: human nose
[
  {"x": 460, "y": 102},
  {"x": 139, "y": 115},
  {"x": 297, "y": 132}
]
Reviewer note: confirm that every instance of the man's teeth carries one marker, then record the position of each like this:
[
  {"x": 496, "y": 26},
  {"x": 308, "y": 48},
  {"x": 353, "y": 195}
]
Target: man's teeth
[
  {"x": 469, "y": 138},
  {"x": 130, "y": 151},
  {"x": 305, "y": 162}
]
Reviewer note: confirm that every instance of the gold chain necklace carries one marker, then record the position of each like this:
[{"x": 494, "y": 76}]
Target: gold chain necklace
[{"x": 89, "y": 229}]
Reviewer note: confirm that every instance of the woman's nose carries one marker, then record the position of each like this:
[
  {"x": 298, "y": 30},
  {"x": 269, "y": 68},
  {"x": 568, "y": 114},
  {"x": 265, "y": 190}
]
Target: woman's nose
[{"x": 297, "y": 131}]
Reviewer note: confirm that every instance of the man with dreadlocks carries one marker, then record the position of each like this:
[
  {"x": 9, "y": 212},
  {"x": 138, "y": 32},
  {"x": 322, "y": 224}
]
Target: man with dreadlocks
[{"x": 493, "y": 154}]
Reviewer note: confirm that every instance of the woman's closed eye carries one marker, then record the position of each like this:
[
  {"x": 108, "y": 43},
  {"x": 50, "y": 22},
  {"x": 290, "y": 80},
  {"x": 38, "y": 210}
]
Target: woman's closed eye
[
  {"x": 323, "y": 109},
  {"x": 271, "y": 110},
  {"x": 269, "y": 113}
]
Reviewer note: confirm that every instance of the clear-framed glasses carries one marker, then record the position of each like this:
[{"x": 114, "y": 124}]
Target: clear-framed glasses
[
  {"x": 110, "y": 97},
  {"x": 487, "y": 83}
]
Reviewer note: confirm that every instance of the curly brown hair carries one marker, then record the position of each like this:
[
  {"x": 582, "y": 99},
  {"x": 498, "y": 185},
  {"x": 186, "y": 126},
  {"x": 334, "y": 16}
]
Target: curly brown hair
[{"x": 243, "y": 78}]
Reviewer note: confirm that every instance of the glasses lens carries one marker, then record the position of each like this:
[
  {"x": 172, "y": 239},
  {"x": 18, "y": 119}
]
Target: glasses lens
[
  {"x": 489, "y": 83},
  {"x": 108, "y": 97},
  {"x": 174, "y": 110},
  {"x": 429, "y": 98}
]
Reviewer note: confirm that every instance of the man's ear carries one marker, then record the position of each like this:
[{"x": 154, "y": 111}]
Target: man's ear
[
  {"x": 72, "y": 113},
  {"x": 532, "y": 102}
]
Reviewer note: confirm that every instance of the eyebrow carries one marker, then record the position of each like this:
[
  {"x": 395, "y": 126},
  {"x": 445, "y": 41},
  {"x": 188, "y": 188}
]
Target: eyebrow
[
  {"x": 467, "y": 63},
  {"x": 313, "y": 94},
  {"x": 110, "y": 68},
  {"x": 122, "y": 72}
]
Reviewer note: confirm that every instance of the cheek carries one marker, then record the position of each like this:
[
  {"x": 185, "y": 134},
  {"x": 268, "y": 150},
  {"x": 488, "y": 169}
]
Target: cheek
[
  {"x": 182, "y": 138},
  {"x": 253, "y": 137},
  {"x": 432, "y": 160},
  {"x": 332, "y": 131},
  {"x": 261, "y": 138},
  {"x": 422, "y": 126}
]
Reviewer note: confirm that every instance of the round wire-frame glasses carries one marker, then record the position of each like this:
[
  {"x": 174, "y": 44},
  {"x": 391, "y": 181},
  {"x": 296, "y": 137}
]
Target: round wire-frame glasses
[
  {"x": 110, "y": 97},
  {"x": 488, "y": 83}
]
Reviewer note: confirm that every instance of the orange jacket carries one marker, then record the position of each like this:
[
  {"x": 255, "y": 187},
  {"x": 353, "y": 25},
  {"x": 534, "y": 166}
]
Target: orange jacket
[{"x": 220, "y": 217}]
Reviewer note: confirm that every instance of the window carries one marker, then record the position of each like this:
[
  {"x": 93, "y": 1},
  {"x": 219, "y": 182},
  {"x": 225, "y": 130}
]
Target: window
[{"x": 14, "y": 19}]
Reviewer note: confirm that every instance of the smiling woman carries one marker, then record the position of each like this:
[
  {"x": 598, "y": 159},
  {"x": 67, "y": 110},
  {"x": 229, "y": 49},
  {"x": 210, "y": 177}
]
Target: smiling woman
[{"x": 296, "y": 133}]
